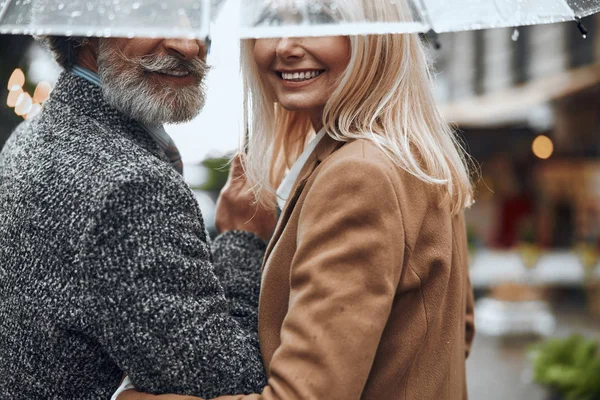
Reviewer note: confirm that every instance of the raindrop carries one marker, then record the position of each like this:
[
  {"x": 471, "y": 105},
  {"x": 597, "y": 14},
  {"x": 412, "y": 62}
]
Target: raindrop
[
  {"x": 61, "y": 6},
  {"x": 76, "y": 14},
  {"x": 135, "y": 6},
  {"x": 69, "y": 33},
  {"x": 515, "y": 35},
  {"x": 130, "y": 35}
]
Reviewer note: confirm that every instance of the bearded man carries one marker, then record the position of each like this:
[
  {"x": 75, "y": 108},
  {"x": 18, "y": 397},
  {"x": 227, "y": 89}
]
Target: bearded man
[{"x": 105, "y": 265}]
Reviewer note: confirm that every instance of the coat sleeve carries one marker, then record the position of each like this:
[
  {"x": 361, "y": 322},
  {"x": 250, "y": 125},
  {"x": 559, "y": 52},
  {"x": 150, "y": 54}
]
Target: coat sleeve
[
  {"x": 147, "y": 294},
  {"x": 238, "y": 258},
  {"x": 343, "y": 281}
]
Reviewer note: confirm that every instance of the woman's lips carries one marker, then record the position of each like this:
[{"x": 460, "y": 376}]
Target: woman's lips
[{"x": 299, "y": 79}]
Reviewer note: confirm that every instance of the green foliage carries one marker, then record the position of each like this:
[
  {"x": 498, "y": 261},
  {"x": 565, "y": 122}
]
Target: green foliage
[
  {"x": 568, "y": 366},
  {"x": 218, "y": 171}
]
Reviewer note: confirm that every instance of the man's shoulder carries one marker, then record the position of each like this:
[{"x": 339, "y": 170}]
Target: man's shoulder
[{"x": 82, "y": 155}]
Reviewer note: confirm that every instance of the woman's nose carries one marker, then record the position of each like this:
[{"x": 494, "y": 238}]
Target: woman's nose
[{"x": 289, "y": 48}]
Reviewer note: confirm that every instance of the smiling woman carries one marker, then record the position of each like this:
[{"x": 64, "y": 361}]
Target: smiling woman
[{"x": 303, "y": 72}]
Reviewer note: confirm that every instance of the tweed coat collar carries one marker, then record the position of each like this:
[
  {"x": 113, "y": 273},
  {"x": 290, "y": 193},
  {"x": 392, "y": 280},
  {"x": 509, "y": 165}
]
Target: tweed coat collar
[
  {"x": 324, "y": 149},
  {"x": 84, "y": 99}
]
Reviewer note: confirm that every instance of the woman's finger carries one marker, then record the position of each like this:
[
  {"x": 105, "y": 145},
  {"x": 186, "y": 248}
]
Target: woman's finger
[{"x": 237, "y": 166}]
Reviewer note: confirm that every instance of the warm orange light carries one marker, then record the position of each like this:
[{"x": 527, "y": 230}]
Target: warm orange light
[
  {"x": 13, "y": 96},
  {"x": 542, "y": 147},
  {"x": 35, "y": 110},
  {"x": 17, "y": 80},
  {"x": 42, "y": 91},
  {"x": 24, "y": 105}
]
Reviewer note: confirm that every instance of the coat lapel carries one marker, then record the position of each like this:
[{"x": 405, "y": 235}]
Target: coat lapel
[{"x": 326, "y": 146}]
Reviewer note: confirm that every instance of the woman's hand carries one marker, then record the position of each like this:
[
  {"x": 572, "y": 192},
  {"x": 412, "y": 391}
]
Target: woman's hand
[
  {"x": 237, "y": 209},
  {"x": 133, "y": 394}
]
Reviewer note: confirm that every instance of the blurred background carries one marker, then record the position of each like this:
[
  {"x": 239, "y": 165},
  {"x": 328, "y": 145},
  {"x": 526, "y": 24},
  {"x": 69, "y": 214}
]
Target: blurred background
[{"x": 527, "y": 104}]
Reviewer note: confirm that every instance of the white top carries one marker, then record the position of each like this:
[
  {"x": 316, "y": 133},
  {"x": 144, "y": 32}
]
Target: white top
[{"x": 283, "y": 194}]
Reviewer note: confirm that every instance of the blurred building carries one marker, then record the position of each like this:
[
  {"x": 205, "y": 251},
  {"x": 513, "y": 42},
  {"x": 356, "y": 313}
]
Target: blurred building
[{"x": 505, "y": 87}]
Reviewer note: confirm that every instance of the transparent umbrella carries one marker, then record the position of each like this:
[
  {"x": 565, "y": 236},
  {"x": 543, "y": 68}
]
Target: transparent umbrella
[
  {"x": 277, "y": 18},
  {"x": 105, "y": 18}
]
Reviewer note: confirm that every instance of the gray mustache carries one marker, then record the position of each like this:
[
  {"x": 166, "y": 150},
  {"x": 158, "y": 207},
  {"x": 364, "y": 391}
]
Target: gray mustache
[{"x": 196, "y": 66}]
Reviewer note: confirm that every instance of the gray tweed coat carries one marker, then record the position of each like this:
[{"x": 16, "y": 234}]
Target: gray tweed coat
[{"x": 105, "y": 266}]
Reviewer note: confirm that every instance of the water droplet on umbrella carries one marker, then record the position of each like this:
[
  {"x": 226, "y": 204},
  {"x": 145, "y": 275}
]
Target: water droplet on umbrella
[
  {"x": 515, "y": 35},
  {"x": 76, "y": 14}
]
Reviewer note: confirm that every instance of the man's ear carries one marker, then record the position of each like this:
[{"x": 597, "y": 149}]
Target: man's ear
[
  {"x": 87, "y": 56},
  {"x": 94, "y": 44}
]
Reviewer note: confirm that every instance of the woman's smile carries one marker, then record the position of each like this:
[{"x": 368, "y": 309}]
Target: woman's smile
[{"x": 298, "y": 78}]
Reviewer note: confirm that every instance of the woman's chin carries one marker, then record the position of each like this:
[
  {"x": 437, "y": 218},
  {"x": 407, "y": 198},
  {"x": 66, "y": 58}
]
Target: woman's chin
[{"x": 300, "y": 106}]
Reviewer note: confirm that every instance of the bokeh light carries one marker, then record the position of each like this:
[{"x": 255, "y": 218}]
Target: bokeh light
[
  {"x": 24, "y": 105},
  {"x": 42, "y": 91},
  {"x": 35, "y": 110},
  {"x": 543, "y": 147},
  {"x": 17, "y": 80},
  {"x": 13, "y": 96}
]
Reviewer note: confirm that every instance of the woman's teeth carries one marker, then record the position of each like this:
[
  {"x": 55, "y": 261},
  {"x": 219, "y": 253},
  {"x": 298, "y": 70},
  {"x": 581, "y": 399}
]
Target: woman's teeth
[
  {"x": 300, "y": 76},
  {"x": 173, "y": 73}
]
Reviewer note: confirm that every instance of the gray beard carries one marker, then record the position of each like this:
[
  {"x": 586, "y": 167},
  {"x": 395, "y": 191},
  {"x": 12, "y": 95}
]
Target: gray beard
[{"x": 128, "y": 86}]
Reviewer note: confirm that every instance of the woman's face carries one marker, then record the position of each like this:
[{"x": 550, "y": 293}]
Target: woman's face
[{"x": 302, "y": 73}]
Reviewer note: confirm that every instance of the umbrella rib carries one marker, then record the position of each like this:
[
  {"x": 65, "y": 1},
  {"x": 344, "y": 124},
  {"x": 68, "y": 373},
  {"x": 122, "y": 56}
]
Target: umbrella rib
[
  {"x": 425, "y": 13},
  {"x": 4, "y": 10},
  {"x": 572, "y": 9}
]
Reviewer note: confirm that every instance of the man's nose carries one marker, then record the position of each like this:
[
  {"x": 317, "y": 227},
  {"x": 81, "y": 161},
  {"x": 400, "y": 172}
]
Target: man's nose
[
  {"x": 289, "y": 49},
  {"x": 185, "y": 49}
]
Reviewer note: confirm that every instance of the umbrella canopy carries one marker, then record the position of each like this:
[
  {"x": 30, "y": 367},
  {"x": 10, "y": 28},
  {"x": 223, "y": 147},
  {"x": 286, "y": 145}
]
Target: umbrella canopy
[
  {"x": 277, "y": 18},
  {"x": 105, "y": 18}
]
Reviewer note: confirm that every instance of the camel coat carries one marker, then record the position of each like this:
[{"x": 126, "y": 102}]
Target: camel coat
[{"x": 365, "y": 290}]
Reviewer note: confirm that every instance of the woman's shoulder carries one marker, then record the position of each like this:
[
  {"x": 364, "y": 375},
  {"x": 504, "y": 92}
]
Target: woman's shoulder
[
  {"x": 361, "y": 152},
  {"x": 367, "y": 154},
  {"x": 365, "y": 159}
]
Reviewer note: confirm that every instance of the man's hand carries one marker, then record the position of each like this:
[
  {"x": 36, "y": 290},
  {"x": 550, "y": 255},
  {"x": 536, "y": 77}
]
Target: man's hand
[
  {"x": 133, "y": 394},
  {"x": 237, "y": 209}
]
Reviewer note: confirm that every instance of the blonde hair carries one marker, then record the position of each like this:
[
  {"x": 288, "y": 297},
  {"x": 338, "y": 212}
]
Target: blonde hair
[{"x": 385, "y": 95}]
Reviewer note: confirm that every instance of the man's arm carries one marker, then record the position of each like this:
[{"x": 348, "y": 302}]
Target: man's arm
[
  {"x": 148, "y": 294},
  {"x": 238, "y": 260}
]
